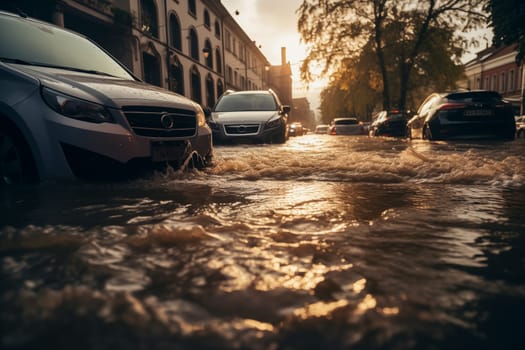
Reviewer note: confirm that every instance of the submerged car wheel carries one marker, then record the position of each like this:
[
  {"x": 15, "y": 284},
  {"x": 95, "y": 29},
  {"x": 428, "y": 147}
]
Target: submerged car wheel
[
  {"x": 16, "y": 165},
  {"x": 408, "y": 133},
  {"x": 281, "y": 138},
  {"x": 427, "y": 134}
]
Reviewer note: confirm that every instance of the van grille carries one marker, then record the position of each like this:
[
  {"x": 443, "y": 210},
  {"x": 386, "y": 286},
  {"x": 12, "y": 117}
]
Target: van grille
[
  {"x": 161, "y": 122},
  {"x": 242, "y": 129}
]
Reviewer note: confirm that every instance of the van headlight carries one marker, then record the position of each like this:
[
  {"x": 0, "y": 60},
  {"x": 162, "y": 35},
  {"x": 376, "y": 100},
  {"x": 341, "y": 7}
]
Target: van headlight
[
  {"x": 274, "y": 122},
  {"x": 76, "y": 108}
]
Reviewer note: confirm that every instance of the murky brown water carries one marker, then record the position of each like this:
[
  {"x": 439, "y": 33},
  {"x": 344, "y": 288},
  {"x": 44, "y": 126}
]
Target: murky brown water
[{"x": 322, "y": 243}]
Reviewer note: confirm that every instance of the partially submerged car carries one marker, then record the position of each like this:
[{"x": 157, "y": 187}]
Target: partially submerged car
[
  {"x": 296, "y": 129},
  {"x": 253, "y": 115},
  {"x": 463, "y": 115},
  {"x": 69, "y": 110},
  {"x": 322, "y": 129},
  {"x": 389, "y": 123},
  {"x": 346, "y": 126}
]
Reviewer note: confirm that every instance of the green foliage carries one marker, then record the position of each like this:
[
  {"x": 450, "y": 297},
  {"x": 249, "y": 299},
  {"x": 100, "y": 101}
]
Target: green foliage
[
  {"x": 386, "y": 48},
  {"x": 508, "y": 21}
]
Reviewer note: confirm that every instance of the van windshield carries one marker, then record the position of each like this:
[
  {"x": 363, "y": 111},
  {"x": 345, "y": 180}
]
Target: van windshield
[{"x": 35, "y": 43}]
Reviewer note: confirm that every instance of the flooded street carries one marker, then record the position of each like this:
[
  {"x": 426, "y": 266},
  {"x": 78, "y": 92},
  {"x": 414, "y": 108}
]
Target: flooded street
[{"x": 324, "y": 242}]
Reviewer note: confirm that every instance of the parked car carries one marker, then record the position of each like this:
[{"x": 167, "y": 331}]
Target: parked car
[
  {"x": 463, "y": 114},
  {"x": 70, "y": 110},
  {"x": 322, "y": 129},
  {"x": 255, "y": 115},
  {"x": 296, "y": 129},
  {"x": 389, "y": 123},
  {"x": 346, "y": 126},
  {"x": 520, "y": 126}
]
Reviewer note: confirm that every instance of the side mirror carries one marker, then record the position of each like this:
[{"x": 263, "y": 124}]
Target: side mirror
[{"x": 286, "y": 109}]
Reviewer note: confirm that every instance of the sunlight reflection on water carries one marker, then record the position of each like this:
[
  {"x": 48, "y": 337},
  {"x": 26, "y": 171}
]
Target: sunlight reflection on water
[{"x": 337, "y": 242}]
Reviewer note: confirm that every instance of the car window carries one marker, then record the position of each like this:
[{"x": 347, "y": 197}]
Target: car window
[
  {"x": 246, "y": 102},
  {"x": 346, "y": 122},
  {"x": 35, "y": 43},
  {"x": 395, "y": 115}
]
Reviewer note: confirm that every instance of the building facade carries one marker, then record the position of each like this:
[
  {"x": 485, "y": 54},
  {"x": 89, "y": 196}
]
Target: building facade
[
  {"x": 496, "y": 69},
  {"x": 192, "y": 47}
]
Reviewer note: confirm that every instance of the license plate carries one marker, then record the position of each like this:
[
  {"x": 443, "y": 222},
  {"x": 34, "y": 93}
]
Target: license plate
[
  {"x": 168, "y": 151},
  {"x": 478, "y": 113}
]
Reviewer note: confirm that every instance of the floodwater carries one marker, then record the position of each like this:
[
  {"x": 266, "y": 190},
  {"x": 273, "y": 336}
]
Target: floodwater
[{"x": 326, "y": 242}]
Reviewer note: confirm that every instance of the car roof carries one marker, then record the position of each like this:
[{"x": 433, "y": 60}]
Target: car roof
[
  {"x": 349, "y": 118},
  {"x": 249, "y": 92}
]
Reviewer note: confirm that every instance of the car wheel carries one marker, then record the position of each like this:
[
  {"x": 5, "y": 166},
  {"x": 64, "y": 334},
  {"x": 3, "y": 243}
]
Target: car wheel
[
  {"x": 16, "y": 164},
  {"x": 427, "y": 134},
  {"x": 281, "y": 138}
]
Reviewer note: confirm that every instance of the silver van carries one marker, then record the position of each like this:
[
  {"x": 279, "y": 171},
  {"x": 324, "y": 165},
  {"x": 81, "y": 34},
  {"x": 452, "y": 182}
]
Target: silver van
[{"x": 69, "y": 110}]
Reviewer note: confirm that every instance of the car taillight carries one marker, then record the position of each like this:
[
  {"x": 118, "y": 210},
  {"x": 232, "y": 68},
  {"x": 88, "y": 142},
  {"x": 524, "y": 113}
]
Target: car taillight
[{"x": 333, "y": 131}]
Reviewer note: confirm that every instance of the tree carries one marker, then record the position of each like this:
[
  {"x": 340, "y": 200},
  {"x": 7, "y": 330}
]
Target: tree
[
  {"x": 508, "y": 21},
  {"x": 381, "y": 24}
]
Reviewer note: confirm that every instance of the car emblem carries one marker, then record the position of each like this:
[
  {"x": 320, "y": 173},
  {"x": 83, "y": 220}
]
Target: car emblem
[
  {"x": 242, "y": 129},
  {"x": 167, "y": 121}
]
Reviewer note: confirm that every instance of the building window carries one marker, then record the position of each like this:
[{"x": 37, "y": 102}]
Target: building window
[
  {"x": 207, "y": 21},
  {"x": 511, "y": 80},
  {"x": 148, "y": 18},
  {"x": 192, "y": 8},
  {"x": 494, "y": 85},
  {"x": 228, "y": 40},
  {"x": 151, "y": 68},
  {"x": 209, "y": 51},
  {"x": 220, "y": 87},
  {"x": 229, "y": 75},
  {"x": 218, "y": 60},
  {"x": 487, "y": 83},
  {"x": 194, "y": 44},
  {"x": 217, "y": 29},
  {"x": 502, "y": 82},
  {"x": 175, "y": 33},
  {"x": 176, "y": 76},
  {"x": 196, "y": 94},
  {"x": 210, "y": 91}
]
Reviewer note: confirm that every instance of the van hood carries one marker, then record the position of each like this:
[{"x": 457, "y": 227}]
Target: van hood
[
  {"x": 109, "y": 91},
  {"x": 243, "y": 116}
]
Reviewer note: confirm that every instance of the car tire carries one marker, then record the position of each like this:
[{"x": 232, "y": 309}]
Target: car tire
[
  {"x": 16, "y": 163},
  {"x": 408, "y": 133},
  {"x": 427, "y": 134},
  {"x": 281, "y": 138}
]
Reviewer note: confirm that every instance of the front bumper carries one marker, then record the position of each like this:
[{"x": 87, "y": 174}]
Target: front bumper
[
  {"x": 68, "y": 148},
  {"x": 244, "y": 133}
]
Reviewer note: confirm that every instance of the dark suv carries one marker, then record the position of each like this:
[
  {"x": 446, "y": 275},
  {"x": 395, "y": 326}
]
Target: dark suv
[
  {"x": 389, "y": 123},
  {"x": 463, "y": 115},
  {"x": 70, "y": 110}
]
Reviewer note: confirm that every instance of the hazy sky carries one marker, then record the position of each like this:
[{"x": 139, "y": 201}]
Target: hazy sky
[{"x": 273, "y": 24}]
